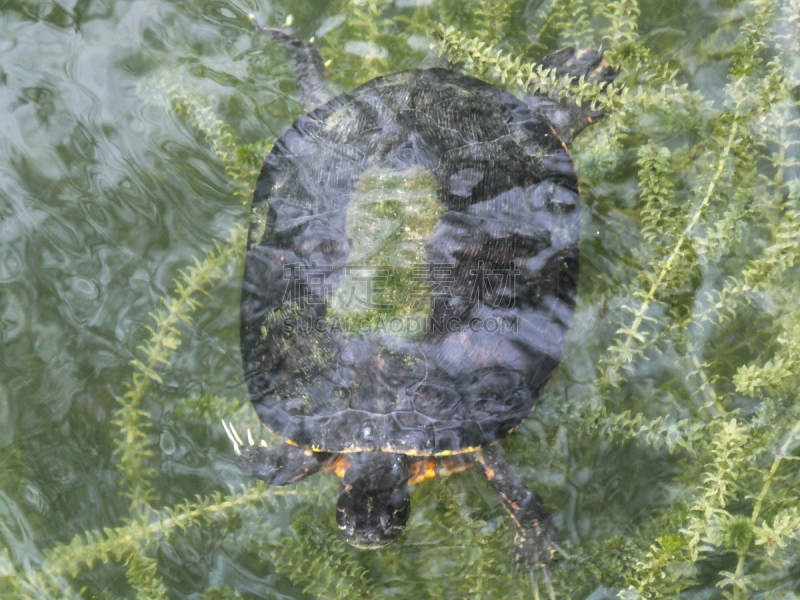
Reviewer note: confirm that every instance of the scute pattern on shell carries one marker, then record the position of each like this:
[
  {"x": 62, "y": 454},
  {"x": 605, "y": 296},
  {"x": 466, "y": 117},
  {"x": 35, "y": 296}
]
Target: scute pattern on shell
[{"x": 510, "y": 198}]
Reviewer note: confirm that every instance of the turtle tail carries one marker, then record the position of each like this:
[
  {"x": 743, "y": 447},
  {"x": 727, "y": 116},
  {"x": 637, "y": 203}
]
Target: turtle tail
[
  {"x": 309, "y": 70},
  {"x": 567, "y": 118}
]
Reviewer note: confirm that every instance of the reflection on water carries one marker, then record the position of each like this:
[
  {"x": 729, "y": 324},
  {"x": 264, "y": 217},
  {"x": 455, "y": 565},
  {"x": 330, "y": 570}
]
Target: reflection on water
[{"x": 129, "y": 131}]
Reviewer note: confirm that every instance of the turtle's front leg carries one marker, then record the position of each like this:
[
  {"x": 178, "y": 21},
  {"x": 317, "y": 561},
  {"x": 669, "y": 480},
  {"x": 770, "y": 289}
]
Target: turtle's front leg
[
  {"x": 277, "y": 466},
  {"x": 536, "y": 542}
]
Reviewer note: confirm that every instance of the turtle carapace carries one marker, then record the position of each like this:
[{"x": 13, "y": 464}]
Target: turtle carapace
[{"x": 409, "y": 284}]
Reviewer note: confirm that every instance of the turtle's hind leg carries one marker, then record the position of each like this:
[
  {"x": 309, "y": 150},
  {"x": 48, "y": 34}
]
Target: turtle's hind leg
[
  {"x": 536, "y": 542},
  {"x": 309, "y": 70},
  {"x": 277, "y": 466}
]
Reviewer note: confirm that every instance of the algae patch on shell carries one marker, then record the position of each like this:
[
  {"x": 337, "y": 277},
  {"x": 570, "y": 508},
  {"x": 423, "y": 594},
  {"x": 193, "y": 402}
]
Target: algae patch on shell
[{"x": 390, "y": 217}]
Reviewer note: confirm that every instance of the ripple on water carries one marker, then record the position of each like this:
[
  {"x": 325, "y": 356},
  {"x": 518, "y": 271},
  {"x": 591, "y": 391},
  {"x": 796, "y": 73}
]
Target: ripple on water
[
  {"x": 49, "y": 342},
  {"x": 10, "y": 264},
  {"x": 97, "y": 215},
  {"x": 12, "y": 317},
  {"x": 82, "y": 300},
  {"x": 167, "y": 443}
]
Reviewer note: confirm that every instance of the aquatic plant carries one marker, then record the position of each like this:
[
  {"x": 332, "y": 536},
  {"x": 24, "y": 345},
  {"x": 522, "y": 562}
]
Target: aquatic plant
[{"x": 686, "y": 352}]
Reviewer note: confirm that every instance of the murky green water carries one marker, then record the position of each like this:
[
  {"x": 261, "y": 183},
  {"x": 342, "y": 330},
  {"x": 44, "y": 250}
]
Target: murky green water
[{"x": 129, "y": 132}]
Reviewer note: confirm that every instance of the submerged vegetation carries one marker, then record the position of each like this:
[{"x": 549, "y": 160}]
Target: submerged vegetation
[{"x": 684, "y": 363}]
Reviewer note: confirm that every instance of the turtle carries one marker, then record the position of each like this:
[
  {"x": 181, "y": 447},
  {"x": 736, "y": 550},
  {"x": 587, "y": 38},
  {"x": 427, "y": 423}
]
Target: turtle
[{"x": 494, "y": 279}]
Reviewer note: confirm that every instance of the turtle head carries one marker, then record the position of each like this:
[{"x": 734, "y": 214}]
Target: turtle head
[{"x": 374, "y": 502}]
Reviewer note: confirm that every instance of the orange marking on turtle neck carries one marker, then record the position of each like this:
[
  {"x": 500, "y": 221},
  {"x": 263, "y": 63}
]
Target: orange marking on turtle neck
[
  {"x": 337, "y": 465},
  {"x": 422, "y": 470}
]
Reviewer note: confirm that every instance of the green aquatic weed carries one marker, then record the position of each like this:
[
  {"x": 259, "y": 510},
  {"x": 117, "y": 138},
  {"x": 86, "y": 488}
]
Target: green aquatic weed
[{"x": 673, "y": 377}]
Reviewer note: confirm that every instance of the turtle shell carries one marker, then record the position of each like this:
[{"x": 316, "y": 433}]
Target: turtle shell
[{"x": 494, "y": 278}]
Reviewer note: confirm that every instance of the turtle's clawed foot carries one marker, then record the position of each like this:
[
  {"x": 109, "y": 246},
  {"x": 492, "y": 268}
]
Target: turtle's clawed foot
[
  {"x": 535, "y": 547},
  {"x": 535, "y": 586},
  {"x": 238, "y": 444},
  {"x": 277, "y": 466},
  {"x": 261, "y": 28}
]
